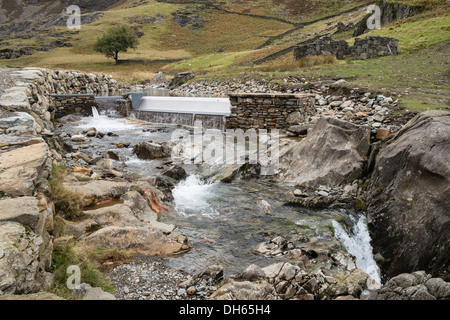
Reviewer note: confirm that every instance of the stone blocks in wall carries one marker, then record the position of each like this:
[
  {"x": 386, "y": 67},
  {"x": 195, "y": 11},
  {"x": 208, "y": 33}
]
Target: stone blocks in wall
[
  {"x": 62, "y": 105},
  {"x": 123, "y": 107},
  {"x": 268, "y": 111},
  {"x": 367, "y": 48}
]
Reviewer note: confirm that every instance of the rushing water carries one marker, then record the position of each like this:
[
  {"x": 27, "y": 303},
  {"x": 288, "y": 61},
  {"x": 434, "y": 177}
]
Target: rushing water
[
  {"x": 357, "y": 242},
  {"x": 221, "y": 220}
]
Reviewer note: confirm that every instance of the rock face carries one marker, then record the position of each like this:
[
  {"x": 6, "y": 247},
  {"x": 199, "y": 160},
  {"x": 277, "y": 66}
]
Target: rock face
[
  {"x": 409, "y": 197},
  {"x": 21, "y": 260},
  {"x": 334, "y": 153}
]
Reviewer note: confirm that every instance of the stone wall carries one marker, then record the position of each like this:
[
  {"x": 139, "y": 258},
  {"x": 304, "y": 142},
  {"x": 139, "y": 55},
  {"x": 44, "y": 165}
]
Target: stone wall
[
  {"x": 268, "y": 111},
  {"x": 367, "y": 48},
  {"x": 62, "y": 105},
  {"x": 26, "y": 155},
  {"x": 31, "y": 89}
]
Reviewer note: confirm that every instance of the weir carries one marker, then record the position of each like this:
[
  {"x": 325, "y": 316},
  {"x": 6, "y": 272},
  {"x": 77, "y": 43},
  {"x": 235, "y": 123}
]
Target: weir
[{"x": 183, "y": 111}]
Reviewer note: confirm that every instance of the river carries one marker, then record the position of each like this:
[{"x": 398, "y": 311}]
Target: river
[{"x": 221, "y": 220}]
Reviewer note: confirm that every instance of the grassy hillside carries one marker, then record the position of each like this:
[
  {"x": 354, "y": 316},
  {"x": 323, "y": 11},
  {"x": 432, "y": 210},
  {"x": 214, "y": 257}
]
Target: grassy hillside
[
  {"x": 230, "y": 32},
  {"x": 227, "y": 37}
]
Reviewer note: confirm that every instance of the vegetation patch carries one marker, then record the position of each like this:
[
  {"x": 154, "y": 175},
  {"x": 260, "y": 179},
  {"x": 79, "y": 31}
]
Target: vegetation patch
[
  {"x": 67, "y": 255},
  {"x": 67, "y": 203}
]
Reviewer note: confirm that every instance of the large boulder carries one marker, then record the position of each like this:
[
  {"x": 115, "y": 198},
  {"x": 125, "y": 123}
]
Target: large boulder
[
  {"x": 151, "y": 150},
  {"x": 180, "y": 78},
  {"x": 409, "y": 197},
  {"x": 334, "y": 153}
]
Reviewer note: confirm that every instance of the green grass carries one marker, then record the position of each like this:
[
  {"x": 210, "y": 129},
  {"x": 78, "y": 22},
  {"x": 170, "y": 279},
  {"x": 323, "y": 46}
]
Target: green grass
[
  {"x": 67, "y": 203},
  {"x": 67, "y": 255}
]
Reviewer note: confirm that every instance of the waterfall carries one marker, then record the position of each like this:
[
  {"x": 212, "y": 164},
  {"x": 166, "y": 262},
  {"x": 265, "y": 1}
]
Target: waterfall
[
  {"x": 104, "y": 123},
  {"x": 357, "y": 243},
  {"x": 95, "y": 113},
  {"x": 191, "y": 197}
]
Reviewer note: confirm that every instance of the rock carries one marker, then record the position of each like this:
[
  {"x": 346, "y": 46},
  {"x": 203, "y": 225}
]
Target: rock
[
  {"x": 175, "y": 172},
  {"x": 414, "y": 287},
  {"x": 334, "y": 153},
  {"x": 87, "y": 292},
  {"x": 112, "y": 155},
  {"x": 143, "y": 240},
  {"x": 23, "y": 210},
  {"x": 23, "y": 260},
  {"x": 294, "y": 118},
  {"x": 84, "y": 171},
  {"x": 78, "y": 138},
  {"x": 382, "y": 133},
  {"x": 215, "y": 272},
  {"x": 159, "y": 80},
  {"x": 150, "y": 151},
  {"x": 300, "y": 130},
  {"x": 409, "y": 197},
  {"x": 19, "y": 119},
  {"x": 273, "y": 270},
  {"x": 41, "y": 296},
  {"x": 180, "y": 78},
  {"x": 10, "y": 141},
  {"x": 81, "y": 155},
  {"x": 191, "y": 291},
  {"x": 438, "y": 288},
  {"x": 245, "y": 290},
  {"x": 264, "y": 207},
  {"x": 94, "y": 191},
  {"x": 21, "y": 168},
  {"x": 252, "y": 273},
  {"x": 345, "y": 298}
]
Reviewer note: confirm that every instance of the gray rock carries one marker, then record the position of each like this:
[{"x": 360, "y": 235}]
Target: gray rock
[
  {"x": 150, "y": 150},
  {"x": 333, "y": 153},
  {"x": 409, "y": 197},
  {"x": 294, "y": 118},
  {"x": 438, "y": 288},
  {"x": 253, "y": 272}
]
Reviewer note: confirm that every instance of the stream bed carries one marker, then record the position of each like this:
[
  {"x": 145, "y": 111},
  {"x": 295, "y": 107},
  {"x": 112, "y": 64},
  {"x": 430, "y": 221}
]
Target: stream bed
[{"x": 222, "y": 221}]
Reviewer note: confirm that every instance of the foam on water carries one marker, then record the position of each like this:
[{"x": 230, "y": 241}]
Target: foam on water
[
  {"x": 104, "y": 123},
  {"x": 357, "y": 243},
  {"x": 191, "y": 197}
]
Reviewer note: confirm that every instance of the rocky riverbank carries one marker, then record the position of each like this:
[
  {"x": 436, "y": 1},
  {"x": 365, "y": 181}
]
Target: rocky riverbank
[{"x": 351, "y": 150}]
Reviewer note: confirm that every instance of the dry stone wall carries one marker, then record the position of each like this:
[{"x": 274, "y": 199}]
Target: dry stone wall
[
  {"x": 26, "y": 212},
  {"x": 367, "y": 48},
  {"x": 268, "y": 111}
]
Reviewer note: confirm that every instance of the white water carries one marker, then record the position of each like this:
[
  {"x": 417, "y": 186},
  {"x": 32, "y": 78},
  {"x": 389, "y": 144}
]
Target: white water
[
  {"x": 357, "y": 243},
  {"x": 191, "y": 197},
  {"x": 104, "y": 123}
]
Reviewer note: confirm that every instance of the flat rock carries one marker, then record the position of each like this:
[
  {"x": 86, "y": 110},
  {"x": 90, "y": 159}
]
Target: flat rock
[{"x": 20, "y": 168}]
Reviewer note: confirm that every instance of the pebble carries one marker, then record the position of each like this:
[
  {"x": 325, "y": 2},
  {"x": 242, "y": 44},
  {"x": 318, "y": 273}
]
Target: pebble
[{"x": 148, "y": 278}]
